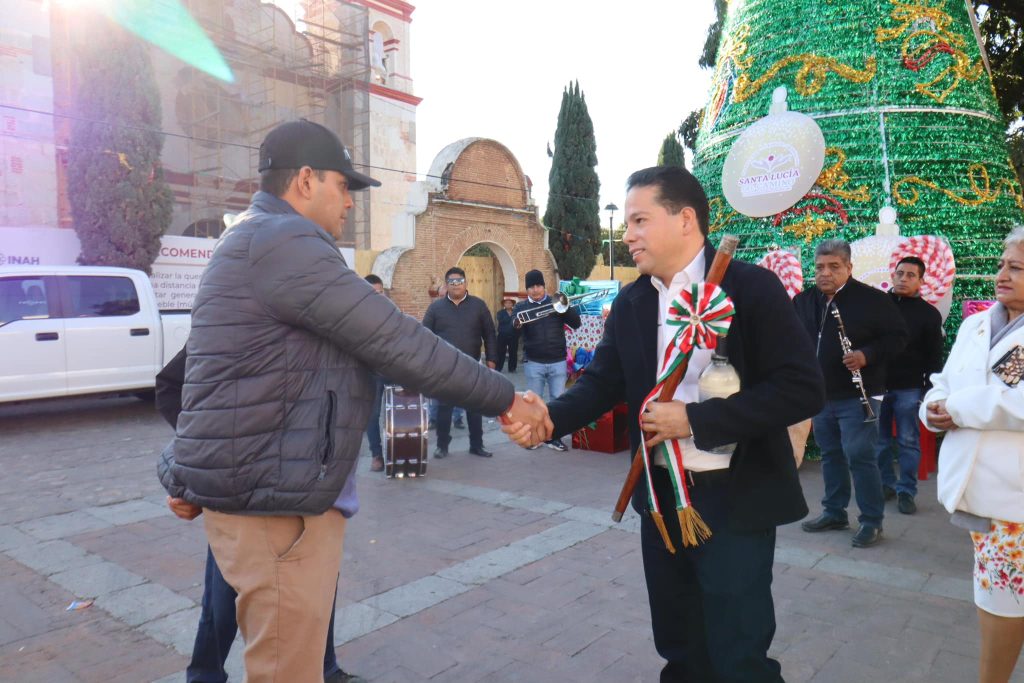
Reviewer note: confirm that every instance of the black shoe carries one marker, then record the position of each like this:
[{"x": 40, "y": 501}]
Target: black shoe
[
  {"x": 906, "y": 504},
  {"x": 557, "y": 445},
  {"x": 482, "y": 452},
  {"x": 825, "y": 522},
  {"x": 889, "y": 492},
  {"x": 341, "y": 677},
  {"x": 459, "y": 424},
  {"x": 866, "y": 536},
  {"x": 440, "y": 453}
]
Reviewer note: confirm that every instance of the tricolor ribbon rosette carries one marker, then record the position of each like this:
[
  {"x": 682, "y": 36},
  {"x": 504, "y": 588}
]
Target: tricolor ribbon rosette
[{"x": 700, "y": 316}]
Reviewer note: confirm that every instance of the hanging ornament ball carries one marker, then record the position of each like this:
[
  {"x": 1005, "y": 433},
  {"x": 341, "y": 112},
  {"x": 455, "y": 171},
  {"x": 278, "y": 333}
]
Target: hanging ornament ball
[
  {"x": 887, "y": 215},
  {"x": 870, "y": 256},
  {"x": 773, "y": 164},
  {"x": 787, "y": 267}
]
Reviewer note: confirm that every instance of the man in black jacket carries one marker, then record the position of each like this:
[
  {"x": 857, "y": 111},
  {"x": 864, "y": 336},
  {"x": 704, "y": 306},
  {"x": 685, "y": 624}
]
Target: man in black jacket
[
  {"x": 842, "y": 430},
  {"x": 711, "y": 604},
  {"x": 544, "y": 344},
  {"x": 907, "y": 379},
  {"x": 463, "y": 321},
  {"x": 508, "y": 342}
]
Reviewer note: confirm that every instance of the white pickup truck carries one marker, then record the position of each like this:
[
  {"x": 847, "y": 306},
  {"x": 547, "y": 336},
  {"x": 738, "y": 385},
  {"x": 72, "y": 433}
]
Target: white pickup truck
[{"x": 71, "y": 330}]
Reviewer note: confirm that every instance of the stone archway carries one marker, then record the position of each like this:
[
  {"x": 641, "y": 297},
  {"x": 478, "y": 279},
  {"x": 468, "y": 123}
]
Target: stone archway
[
  {"x": 488, "y": 275},
  {"x": 477, "y": 194}
]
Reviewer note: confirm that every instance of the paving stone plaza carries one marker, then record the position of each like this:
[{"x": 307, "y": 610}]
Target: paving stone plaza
[{"x": 501, "y": 569}]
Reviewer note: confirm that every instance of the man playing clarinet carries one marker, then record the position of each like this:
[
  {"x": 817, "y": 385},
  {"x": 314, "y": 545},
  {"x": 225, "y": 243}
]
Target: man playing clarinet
[
  {"x": 855, "y": 329},
  {"x": 710, "y": 595}
]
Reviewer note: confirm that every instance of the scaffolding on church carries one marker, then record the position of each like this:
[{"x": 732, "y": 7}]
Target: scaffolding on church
[{"x": 312, "y": 63}]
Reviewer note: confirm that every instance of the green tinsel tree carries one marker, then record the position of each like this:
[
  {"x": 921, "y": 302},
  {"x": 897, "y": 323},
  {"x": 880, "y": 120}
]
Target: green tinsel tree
[
  {"x": 671, "y": 152},
  {"x": 120, "y": 203},
  {"x": 572, "y": 213},
  {"x": 902, "y": 95}
]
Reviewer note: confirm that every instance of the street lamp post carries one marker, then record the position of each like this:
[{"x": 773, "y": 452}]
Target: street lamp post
[{"x": 611, "y": 209}]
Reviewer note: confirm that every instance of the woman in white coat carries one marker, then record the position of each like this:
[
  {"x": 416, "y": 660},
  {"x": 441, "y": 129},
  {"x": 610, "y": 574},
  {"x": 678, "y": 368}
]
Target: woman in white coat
[{"x": 978, "y": 402}]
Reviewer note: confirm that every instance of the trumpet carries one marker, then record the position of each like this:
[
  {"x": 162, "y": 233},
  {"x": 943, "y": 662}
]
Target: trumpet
[{"x": 560, "y": 303}]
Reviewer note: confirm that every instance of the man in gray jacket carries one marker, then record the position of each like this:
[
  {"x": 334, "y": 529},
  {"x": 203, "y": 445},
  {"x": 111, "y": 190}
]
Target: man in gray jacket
[{"x": 278, "y": 390}]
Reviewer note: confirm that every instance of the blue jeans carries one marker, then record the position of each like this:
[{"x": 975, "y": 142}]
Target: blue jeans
[
  {"x": 550, "y": 375},
  {"x": 847, "y": 445},
  {"x": 373, "y": 426},
  {"x": 217, "y": 629},
  {"x": 900, "y": 405}
]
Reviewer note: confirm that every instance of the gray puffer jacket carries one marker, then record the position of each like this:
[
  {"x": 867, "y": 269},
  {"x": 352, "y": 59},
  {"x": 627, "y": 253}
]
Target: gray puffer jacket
[{"x": 277, "y": 383}]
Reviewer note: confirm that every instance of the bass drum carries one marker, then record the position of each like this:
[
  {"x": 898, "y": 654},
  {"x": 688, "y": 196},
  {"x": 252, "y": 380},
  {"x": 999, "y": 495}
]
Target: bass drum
[{"x": 404, "y": 436}]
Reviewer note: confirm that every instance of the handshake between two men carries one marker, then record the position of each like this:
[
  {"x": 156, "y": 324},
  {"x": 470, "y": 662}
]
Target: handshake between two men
[{"x": 527, "y": 422}]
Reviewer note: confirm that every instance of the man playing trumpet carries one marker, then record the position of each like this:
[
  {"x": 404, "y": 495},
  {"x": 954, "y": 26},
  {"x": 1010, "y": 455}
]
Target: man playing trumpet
[{"x": 544, "y": 343}]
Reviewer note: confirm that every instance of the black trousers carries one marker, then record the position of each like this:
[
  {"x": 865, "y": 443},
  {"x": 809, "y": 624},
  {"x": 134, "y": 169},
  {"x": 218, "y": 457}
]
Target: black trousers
[
  {"x": 510, "y": 345},
  {"x": 444, "y": 427},
  {"x": 711, "y": 605}
]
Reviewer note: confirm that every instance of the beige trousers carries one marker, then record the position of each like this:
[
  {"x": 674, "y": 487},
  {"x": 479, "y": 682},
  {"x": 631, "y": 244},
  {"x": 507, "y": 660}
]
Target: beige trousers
[{"x": 285, "y": 571}]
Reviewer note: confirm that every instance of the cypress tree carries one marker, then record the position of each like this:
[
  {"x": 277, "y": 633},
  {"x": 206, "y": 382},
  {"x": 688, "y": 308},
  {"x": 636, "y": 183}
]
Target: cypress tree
[
  {"x": 120, "y": 203},
  {"x": 671, "y": 153},
  {"x": 573, "y": 214}
]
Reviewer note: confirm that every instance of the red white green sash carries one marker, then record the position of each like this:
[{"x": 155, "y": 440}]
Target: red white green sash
[{"x": 700, "y": 315}]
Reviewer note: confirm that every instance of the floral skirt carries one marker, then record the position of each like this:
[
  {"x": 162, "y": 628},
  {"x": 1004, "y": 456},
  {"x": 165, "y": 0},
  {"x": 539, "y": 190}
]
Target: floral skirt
[{"x": 999, "y": 569}]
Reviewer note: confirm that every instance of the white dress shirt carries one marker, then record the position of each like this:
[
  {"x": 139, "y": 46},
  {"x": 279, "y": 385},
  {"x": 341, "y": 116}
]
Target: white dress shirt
[{"x": 694, "y": 459}]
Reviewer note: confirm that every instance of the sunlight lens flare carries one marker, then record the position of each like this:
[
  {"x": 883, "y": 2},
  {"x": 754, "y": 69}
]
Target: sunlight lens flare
[{"x": 166, "y": 24}]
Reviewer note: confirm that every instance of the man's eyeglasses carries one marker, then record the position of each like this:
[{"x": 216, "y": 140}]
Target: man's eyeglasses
[{"x": 456, "y": 280}]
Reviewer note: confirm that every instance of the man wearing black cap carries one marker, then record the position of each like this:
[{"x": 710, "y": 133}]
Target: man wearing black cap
[
  {"x": 278, "y": 389},
  {"x": 544, "y": 344}
]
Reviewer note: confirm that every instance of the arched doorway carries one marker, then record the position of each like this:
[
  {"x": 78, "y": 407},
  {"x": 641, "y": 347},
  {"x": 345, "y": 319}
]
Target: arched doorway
[{"x": 488, "y": 268}]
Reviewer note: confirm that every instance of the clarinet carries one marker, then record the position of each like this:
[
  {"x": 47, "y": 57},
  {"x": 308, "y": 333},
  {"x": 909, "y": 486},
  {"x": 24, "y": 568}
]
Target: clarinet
[{"x": 844, "y": 341}]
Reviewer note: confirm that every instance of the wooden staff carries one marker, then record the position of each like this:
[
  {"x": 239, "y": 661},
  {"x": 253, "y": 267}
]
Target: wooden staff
[{"x": 726, "y": 249}]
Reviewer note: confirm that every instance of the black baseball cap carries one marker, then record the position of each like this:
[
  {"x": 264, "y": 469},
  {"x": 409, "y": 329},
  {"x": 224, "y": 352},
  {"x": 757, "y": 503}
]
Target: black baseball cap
[{"x": 295, "y": 144}]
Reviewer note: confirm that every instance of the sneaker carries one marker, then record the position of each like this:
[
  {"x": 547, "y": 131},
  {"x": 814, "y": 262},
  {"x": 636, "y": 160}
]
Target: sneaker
[
  {"x": 905, "y": 504},
  {"x": 378, "y": 464},
  {"x": 889, "y": 492},
  {"x": 459, "y": 424},
  {"x": 440, "y": 453},
  {"x": 341, "y": 677},
  {"x": 557, "y": 445}
]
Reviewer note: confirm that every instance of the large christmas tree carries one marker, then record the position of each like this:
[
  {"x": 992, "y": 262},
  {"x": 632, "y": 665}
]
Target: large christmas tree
[{"x": 901, "y": 92}]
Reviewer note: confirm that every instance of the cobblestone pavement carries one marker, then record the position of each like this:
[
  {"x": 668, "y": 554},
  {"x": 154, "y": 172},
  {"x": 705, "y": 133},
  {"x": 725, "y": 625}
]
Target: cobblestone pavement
[{"x": 501, "y": 569}]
